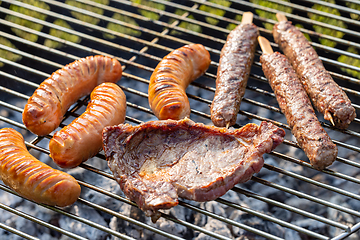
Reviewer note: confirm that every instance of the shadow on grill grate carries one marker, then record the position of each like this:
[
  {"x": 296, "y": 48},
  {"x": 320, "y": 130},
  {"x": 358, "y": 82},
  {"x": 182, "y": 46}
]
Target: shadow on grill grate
[{"x": 287, "y": 199}]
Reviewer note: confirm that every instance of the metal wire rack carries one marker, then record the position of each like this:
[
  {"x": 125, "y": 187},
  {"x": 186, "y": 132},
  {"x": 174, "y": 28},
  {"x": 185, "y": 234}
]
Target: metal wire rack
[{"x": 39, "y": 37}]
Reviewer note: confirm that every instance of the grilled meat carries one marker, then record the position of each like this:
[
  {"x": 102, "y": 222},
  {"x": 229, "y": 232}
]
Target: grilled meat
[
  {"x": 46, "y": 108},
  {"x": 157, "y": 162},
  {"x": 236, "y": 59},
  {"x": 171, "y": 77},
  {"x": 324, "y": 92},
  {"x": 296, "y": 106},
  {"x": 32, "y": 178},
  {"x": 81, "y": 139}
]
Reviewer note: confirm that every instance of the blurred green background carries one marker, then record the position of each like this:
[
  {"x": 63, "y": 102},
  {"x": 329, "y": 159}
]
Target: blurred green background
[{"x": 186, "y": 25}]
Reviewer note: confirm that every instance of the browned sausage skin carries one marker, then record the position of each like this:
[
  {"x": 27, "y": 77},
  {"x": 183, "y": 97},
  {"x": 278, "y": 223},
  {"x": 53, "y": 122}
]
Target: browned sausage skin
[
  {"x": 233, "y": 72},
  {"x": 30, "y": 177},
  {"x": 297, "y": 108},
  {"x": 324, "y": 92},
  {"x": 171, "y": 77},
  {"x": 82, "y": 138},
  {"x": 46, "y": 107}
]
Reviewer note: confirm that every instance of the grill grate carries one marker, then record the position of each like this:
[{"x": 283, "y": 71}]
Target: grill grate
[{"x": 144, "y": 32}]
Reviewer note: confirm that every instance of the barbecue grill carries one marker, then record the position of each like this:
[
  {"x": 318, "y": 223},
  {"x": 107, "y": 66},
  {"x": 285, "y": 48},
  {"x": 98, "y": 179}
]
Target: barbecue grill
[{"x": 287, "y": 199}]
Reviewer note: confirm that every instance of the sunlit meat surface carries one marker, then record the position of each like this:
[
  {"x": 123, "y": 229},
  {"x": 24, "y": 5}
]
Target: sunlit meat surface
[{"x": 157, "y": 162}]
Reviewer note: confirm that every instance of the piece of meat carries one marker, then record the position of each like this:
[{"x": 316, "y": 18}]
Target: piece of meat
[
  {"x": 157, "y": 162},
  {"x": 46, "y": 108},
  {"x": 236, "y": 59},
  {"x": 300, "y": 115},
  {"x": 81, "y": 139},
  {"x": 324, "y": 92},
  {"x": 171, "y": 77},
  {"x": 32, "y": 178}
]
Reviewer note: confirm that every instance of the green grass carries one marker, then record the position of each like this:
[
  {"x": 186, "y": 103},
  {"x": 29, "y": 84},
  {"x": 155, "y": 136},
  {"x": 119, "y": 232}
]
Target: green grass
[
  {"x": 26, "y": 23},
  {"x": 231, "y": 26},
  {"x": 85, "y": 17},
  {"x": 327, "y": 20},
  {"x": 149, "y": 14},
  {"x": 270, "y": 15},
  {"x": 356, "y": 7},
  {"x": 122, "y": 29},
  {"x": 351, "y": 61},
  {"x": 6, "y": 54},
  {"x": 60, "y": 34},
  {"x": 185, "y": 25},
  {"x": 215, "y": 11}
]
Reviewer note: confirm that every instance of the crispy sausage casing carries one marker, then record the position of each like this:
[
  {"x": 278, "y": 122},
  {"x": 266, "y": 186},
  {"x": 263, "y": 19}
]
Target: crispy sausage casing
[
  {"x": 82, "y": 138},
  {"x": 171, "y": 77},
  {"x": 30, "y": 177},
  {"x": 296, "y": 106},
  {"x": 46, "y": 107},
  {"x": 326, "y": 95},
  {"x": 233, "y": 72}
]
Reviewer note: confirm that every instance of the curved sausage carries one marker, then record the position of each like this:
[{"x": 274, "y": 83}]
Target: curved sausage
[
  {"x": 297, "y": 108},
  {"x": 30, "y": 177},
  {"x": 46, "y": 107},
  {"x": 233, "y": 72},
  {"x": 171, "y": 77},
  {"x": 324, "y": 92},
  {"x": 82, "y": 138}
]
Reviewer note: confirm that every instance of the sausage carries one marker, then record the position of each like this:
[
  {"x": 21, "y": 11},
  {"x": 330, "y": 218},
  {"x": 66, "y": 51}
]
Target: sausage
[
  {"x": 82, "y": 138},
  {"x": 31, "y": 178},
  {"x": 46, "y": 107},
  {"x": 236, "y": 59},
  {"x": 297, "y": 108},
  {"x": 168, "y": 83},
  {"x": 326, "y": 95}
]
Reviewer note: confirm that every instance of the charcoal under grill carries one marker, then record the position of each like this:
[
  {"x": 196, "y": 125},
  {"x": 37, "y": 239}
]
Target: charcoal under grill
[{"x": 288, "y": 198}]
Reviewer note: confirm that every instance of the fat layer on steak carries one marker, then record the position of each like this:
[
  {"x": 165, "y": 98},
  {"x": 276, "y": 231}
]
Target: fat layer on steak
[{"x": 157, "y": 162}]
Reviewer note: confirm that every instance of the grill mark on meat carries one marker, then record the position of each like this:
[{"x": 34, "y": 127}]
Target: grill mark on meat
[
  {"x": 82, "y": 139},
  {"x": 157, "y": 162},
  {"x": 233, "y": 72},
  {"x": 161, "y": 87},
  {"x": 326, "y": 95},
  {"x": 31, "y": 178},
  {"x": 296, "y": 106},
  {"x": 45, "y": 109},
  {"x": 178, "y": 69}
]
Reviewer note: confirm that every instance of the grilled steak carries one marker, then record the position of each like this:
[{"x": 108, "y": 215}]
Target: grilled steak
[
  {"x": 157, "y": 162},
  {"x": 233, "y": 72},
  {"x": 300, "y": 115},
  {"x": 325, "y": 94}
]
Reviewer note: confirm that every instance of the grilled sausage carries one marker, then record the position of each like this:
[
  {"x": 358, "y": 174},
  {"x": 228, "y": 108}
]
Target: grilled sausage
[
  {"x": 297, "y": 108},
  {"x": 233, "y": 72},
  {"x": 82, "y": 138},
  {"x": 30, "y": 177},
  {"x": 171, "y": 77},
  {"x": 46, "y": 107},
  {"x": 324, "y": 92}
]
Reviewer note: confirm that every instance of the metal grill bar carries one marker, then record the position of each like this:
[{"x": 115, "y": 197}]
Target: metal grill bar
[
  {"x": 144, "y": 95},
  {"x": 301, "y": 19},
  {"x": 287, "y": 207},
  {"x": 262, "y": 30},
  {"x": 14, "y": 231},
  {"x": 54, "y": 64},
  {"x": 46, "y": 75},
  {"x": 240, "y": 12},
  {"x": 156, "y": 43},
  {"x": 310, "y": 10},
  {"x": 175, "y": 39},
  {"x": 345, "y": 9},
  {"x": 126, "y": 49},
  {"x": 31, "y": 218}
]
